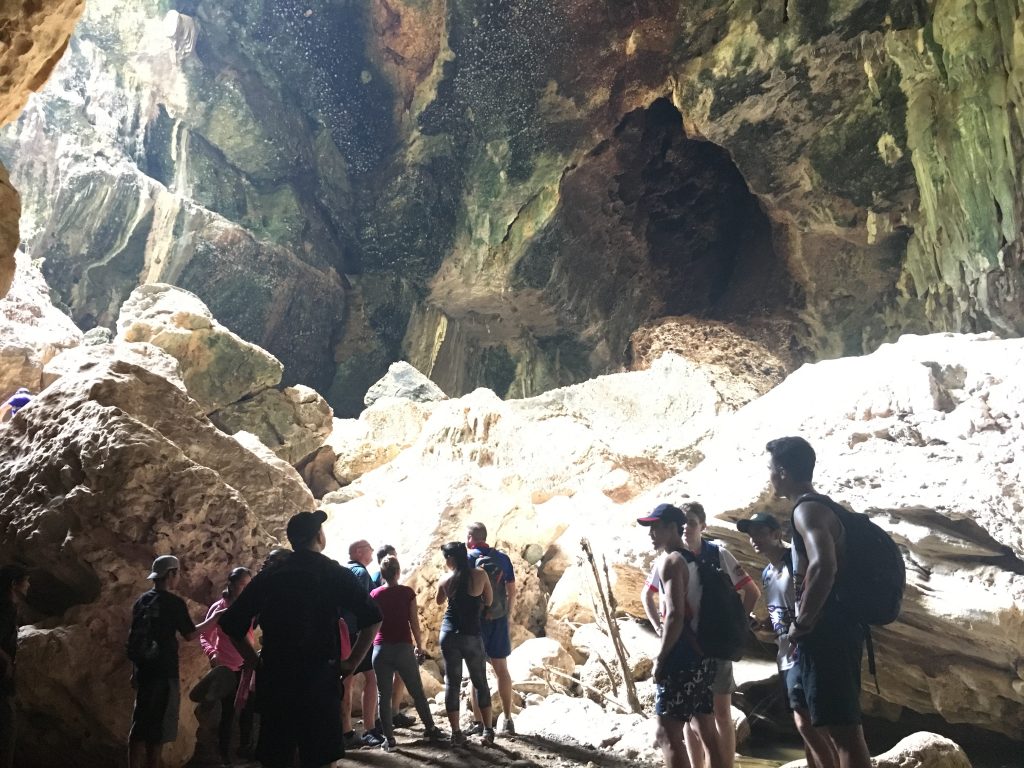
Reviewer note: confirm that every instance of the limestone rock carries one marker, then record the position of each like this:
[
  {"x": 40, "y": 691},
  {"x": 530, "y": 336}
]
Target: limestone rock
[
  {"x": 292, "y": 422},
  {"x": 531, "y": 665},
  {"x": 32, "y": 331},
  {"x": 744, "y": 366},
  {"x": 140, "y": 353},
  {"x": 217, "y": 366},
  {"x": 35, "y": 37},
  {"x": 919, "y": 750},
  {"x": 405, "y": 382},
  {"x": 113, "y": 466}
]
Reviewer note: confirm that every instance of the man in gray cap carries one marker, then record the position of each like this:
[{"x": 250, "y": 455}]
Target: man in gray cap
[
  {"x": 298, "y": 686},
  {"x": 158, "y": 616}
]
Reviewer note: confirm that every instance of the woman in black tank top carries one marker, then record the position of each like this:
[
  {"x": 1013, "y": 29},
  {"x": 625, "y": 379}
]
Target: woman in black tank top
[{"x": 467, "y": 591}]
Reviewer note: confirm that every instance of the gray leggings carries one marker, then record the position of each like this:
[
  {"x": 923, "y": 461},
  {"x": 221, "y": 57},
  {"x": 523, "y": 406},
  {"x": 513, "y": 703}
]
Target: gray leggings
[
  {"x": 389, "y": 658},
  {"x": 458, "y": 648}
]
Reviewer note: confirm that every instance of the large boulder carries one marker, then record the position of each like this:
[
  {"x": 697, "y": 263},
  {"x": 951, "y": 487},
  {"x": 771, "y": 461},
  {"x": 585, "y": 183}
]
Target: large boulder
[
  {"x": 112, "y": 466},
  {"x": 140, "y": 353},
  {"x": 32, "y": 330},
  {"x": 292, "y": 422},
  {"x": 919, "y": 750},
  {"x": 217, "y": 366}
]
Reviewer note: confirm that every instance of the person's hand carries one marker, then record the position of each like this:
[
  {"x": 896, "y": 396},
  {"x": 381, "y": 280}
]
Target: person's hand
[
  {"x": 346, "y": 667},
  {"x": 659, "y": 629},
  {"x": 419, "y": 654},
  {"x": 798, "y": 630},
  {"x": 213, "y": 661},
  {"x": 660, "y": 672}
]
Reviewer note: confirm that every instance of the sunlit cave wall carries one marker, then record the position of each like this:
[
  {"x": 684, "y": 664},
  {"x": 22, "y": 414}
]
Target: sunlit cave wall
[{"x": 503, "y": 192}]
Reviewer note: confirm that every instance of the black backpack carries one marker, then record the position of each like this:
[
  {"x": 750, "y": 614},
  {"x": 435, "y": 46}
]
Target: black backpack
[
  {"x": 499, "y": 604},
  {"x": 870, "y": 585},
  {"x": 142, "y": 646},
  {"x": 722, "y": 628}
]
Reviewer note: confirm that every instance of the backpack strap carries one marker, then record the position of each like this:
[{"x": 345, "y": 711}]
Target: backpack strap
[{"x": 711, "y": 553}]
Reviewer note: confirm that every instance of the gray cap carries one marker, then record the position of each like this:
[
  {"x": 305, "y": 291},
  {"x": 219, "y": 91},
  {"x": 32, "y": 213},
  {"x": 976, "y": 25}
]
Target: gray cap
[{"x": 162, "y": 565}]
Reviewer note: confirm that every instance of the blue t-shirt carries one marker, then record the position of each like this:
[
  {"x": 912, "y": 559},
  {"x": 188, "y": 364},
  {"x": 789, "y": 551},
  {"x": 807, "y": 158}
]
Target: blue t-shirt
[{"x": 17, "y": 402}]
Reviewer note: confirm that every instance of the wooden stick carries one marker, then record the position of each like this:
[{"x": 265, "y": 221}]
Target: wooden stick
[
  {"x": 613, "y": 630},
  {"x": 581, "y": 684}
]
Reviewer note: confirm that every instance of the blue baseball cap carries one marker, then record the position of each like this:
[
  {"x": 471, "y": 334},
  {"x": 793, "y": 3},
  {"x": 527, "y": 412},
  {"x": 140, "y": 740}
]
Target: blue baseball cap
[{"x": 667, "y": 512}]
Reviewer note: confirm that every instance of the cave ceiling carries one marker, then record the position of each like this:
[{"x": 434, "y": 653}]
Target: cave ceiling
[{"x": 502, "y": 193}]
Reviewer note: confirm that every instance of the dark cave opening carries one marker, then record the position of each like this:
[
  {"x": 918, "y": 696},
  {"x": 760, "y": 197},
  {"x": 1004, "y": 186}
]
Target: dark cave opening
[{"x": 708, "y": 239}]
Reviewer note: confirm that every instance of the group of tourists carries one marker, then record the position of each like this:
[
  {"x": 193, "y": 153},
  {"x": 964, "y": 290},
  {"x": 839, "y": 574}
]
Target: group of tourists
[
  {"x": 820, "y": 638},
  {"x": 318, "y": 622},
  {"x": 323, "y": 625}
]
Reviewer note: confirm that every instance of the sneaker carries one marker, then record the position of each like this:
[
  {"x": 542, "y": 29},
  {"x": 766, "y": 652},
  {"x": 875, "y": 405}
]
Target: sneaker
[
  {"x": 371, "y": 739},
  {"x": 434, "y": 733},
  {"x": 402, "y": 720},
  {"x": 388, "y": 745},
  {"x": 352, "y": 741},
  {"x": 475, "y": 729},
  {"x": 458, "y": 739},
  {"x": 508, "y": 727},
  {"x": 488, "y": 735}
]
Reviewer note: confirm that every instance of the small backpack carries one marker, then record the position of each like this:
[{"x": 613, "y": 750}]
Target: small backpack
[
  {"x": 870, "y": 585},
  {"x": 722, "y": 628},
  {"x": 142, "y": 646},
  {"x": 499, "y": 604}
]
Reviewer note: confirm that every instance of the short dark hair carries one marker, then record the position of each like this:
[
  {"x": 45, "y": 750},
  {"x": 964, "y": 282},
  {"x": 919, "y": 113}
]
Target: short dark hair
[
  {"x": 384, "y": 551},
  {"x": 795, "y": 455},
  {"x": 696, "y": 509}
]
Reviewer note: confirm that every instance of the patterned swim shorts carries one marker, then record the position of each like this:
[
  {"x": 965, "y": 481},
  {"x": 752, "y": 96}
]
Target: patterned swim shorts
[{"x": 686, "y": 691}]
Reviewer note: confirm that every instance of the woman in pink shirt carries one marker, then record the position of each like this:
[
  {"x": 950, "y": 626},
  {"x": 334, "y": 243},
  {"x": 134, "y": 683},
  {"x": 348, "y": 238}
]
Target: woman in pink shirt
[
  {"x": 393, "y": 651},
  {"x": 222, "y": 653}
]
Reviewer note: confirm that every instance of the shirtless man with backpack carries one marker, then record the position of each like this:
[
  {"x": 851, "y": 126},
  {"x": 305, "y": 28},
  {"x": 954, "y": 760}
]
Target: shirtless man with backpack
[{"x": 829, "y": 630}]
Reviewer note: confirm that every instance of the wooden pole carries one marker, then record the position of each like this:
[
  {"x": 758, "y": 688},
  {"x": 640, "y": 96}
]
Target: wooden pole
[{"x": 613, "y": 629}]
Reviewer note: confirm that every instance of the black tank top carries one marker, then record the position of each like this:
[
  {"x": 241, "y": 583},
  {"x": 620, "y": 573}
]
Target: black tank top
[{"x": 463, "y": 613}]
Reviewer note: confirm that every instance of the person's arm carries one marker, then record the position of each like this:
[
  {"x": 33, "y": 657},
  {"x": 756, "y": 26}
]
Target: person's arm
[
  {"x": 208, "y": 639},
  {"x": 647, "y": 593},
  {"x": 811, "y": 520},
  {"x": 348, "y": 595},
  {"x": 236, "y": 622},
  {"x": 442, "y": 590},
  {"x": 487, "y": 594},
  {"x": 510, "y": 593},
  {"x": 674, "y": 580},
  {"x": 741, "y": 580},
  {"x": 414, "y": 623},
  {"x": 211, "y": 621}
]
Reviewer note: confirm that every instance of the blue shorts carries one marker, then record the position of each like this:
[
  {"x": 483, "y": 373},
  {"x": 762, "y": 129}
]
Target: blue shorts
[
  {"x": 686, "y": 691},
  {"x": 497, "y": 641}
]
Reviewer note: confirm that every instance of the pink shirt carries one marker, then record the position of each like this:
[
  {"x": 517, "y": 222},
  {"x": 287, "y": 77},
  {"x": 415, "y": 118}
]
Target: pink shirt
[
  {"x": 215, "y": 642},
  {"x": 394, "y": 605}
]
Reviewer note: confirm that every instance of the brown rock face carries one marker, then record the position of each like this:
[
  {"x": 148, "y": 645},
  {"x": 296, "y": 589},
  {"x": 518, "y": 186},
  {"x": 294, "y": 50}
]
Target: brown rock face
[
  {"x": 104, "y": 470},
  {"x": 33, "y": 36}
]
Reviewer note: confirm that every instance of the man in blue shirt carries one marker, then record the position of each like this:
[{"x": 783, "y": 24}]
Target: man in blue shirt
[{"x": 494, "y": 625}]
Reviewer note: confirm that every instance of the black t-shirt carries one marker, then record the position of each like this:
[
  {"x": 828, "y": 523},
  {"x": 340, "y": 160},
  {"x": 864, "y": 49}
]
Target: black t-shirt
[
  {"x": 298, "y": 605},
  {"x": 8, "y": 640},
  {"x": 170, "y": 618}
]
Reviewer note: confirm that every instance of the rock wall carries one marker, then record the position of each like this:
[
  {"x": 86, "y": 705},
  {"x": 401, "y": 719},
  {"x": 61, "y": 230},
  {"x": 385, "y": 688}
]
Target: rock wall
[
  {"x": 33, "y": 38},
  {"x": 503, "y": 195}
]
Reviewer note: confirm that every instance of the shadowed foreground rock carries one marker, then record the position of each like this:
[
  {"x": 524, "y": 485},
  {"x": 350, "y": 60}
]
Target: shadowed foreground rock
[{"x": 106, "y": 469}]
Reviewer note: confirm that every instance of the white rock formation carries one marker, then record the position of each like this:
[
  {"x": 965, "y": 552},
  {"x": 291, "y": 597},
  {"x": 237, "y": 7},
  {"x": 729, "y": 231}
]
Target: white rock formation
[
  {"x": 32, "y": 330},
  {"x": 405, "y": 382},
  {"x": 218, "y": 366},
  {"x": 292, "y": 422}
]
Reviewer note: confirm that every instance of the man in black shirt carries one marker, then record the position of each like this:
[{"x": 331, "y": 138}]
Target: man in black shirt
[
  {"x": 13, "y": 589},
  {"x": 298, "y": 686},
  {"x": 161, "y": 616}
]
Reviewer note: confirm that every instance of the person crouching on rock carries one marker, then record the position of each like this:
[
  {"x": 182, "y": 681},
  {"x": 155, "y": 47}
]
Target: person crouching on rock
[
  {"x": 682, "y": 675},
  {"x": 467, "y": 591},
  {"x": 222, "y": 653},
  {"x": 393, "y": 650},
  {"x": 157, "y": 617}
]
